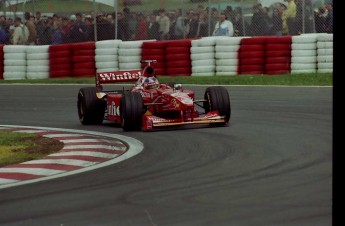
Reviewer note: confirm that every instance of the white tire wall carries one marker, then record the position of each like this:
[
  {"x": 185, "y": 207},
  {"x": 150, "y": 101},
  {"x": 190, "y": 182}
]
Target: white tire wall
[
  {"x": 14, "y": 68},
  {"x": 106, "y": 55},
  {"x": 60, "y": 61},
  {"x": 37, "y": 62},
  {"x": 131, "y": 51},
  {"x": 203, "y": 57},
  {"x": 325, "y": 53},
  {"x": 226, "y": 54},
  {"x": 303, "y": 54}
]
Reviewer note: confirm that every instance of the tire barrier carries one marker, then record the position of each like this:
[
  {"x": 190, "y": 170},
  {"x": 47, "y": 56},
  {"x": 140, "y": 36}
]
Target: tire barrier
[
  {"x": 178, "y": 58},
  {"x": 278, "y": 55},
  {"x": 129, "y": 55},
  {"x": 37, "y": 58},
  {"x": 208, "y": 56},
  {"x": 106, "y": 55},
  {"x": 226, "y": 53},
  {"x": 304, "y": 54},
  {"x": 83, "y": 59},
  {"x": 325, "y": 53},
  {"x": 1, "y": 62},
  {"x": 155, "y": 51},
  {"x": 60, "y": 61},
  {"x": 252, "y": 56},
  {"x": 203, "y": 57},
  {"x": 14, "y": 62}
]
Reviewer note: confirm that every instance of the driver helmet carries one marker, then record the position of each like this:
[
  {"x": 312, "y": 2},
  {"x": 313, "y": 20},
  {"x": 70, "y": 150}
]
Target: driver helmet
[{"x": 150, "y": 83}]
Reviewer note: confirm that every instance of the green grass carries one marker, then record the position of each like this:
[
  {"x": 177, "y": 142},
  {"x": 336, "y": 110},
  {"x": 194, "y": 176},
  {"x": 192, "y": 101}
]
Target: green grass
[
  {"x": 10, "y": 143},
  {"x": 319, "y": 79}
]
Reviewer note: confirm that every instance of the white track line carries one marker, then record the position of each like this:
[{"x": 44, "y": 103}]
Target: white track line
[
  {"x": 86, "y": 153},
  {"x": 34, "y": 171}
]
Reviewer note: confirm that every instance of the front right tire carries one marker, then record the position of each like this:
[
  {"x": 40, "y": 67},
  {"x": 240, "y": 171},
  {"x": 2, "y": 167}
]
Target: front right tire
[{"x": 217, "y": 98}]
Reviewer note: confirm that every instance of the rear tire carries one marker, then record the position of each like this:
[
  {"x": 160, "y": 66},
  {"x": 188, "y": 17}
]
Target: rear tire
[
  {"x": 90, "y": 109},
  {"x": 217, "y": 98},
  {"x": 132, "y": 109}
]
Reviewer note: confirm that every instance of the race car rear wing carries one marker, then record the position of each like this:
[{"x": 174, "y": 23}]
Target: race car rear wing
[
  {"x": 117, "y": 76},
  {"x": 124, "y": 76}
]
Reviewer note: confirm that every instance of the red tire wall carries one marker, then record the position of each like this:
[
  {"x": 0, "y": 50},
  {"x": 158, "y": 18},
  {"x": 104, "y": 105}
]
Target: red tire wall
[
  {"x": 83, "y": 59},
  {"x": 60, "y": 61}
]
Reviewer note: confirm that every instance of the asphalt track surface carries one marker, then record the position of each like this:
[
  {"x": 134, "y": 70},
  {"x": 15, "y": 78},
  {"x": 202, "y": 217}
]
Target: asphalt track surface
[{"x": 271, "y": 166}]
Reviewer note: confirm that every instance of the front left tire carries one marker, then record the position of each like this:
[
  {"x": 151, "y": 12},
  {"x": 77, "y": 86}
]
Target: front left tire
[
  {"x": 131, "y": 111},
  {"x": 91, "y": 110}
]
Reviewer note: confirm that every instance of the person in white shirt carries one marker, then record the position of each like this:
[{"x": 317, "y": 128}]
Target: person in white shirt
[
  {"x": 223, "y": 27},
  {"x": 20, "y": 33}
]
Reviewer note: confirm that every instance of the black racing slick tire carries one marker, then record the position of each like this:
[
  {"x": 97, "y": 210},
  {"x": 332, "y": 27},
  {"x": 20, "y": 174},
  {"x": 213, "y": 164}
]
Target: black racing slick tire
[
  {"x": 90, "y": 109},
  {"x": 217, "y": 98},
  {"x": 131, "y": 111}
]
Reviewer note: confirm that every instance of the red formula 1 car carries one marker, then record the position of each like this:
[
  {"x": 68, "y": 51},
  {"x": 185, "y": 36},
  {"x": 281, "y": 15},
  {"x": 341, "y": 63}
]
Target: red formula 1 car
[{"x": 148, "y": 104}]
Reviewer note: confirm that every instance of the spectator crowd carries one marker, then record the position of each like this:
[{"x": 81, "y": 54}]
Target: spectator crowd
[{"x": 285, "y": 19}]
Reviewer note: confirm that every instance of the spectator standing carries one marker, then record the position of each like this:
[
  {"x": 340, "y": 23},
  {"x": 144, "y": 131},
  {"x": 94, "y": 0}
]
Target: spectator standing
[
  {"x": 202, "y": 29},
  {"x": 3, "y": 34},
  {"x": 39, "y": 25},
  {"x": 111, "y": 20},
  {"x": 125, "y": 24},
  {"x": 238, "y": 22},
  {"x": 329, "y": 18},
  {"x": 120, "y": 26},
  {"x": 289, "y": 18},
  {"x": 89, "y": 29},
  {"x": 59, "y": 35},
  {"x": 214, "y": 18},
  {"x": 258, "y": 24},
  {"x": 172, "y": 17},
  {"x": 5, "y": 27},
  {"x": 268, "y": 20},
  {"x": 103, "y": 27},
  {"x": 153, "y": 28},
  {"x": 132, "y": 26},
  {"x": 223, "y": 27},
  {"x": 320, "y": 20},
  {"x": 20, "y": 33},
  {"x": 193, "y": 25},
  {"x": 164, "y": 25},
  {"x": 32, "y": 29},
  {"x": 181, "y": 27},
  {"x": 277, "y": 23},
  {"x": 56, "y": 21},
  {"x": 69, "y": 31},
  {"x": 47, "y": 34},
  {"x": 78, "y": 28},
  {"x": 142, "y": 28},
  {"x": 229, "y": 13}
]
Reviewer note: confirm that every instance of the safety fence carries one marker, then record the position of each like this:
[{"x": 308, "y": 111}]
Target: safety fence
[
  {"x": 210, "y": 56},
  {"x": 90, "y": 20}
]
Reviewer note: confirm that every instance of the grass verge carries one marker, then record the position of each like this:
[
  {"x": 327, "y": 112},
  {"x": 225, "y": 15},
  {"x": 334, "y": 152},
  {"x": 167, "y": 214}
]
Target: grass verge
[
  {"x": 318, "y": 79},
  {"x": 20, "y": 147}
]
